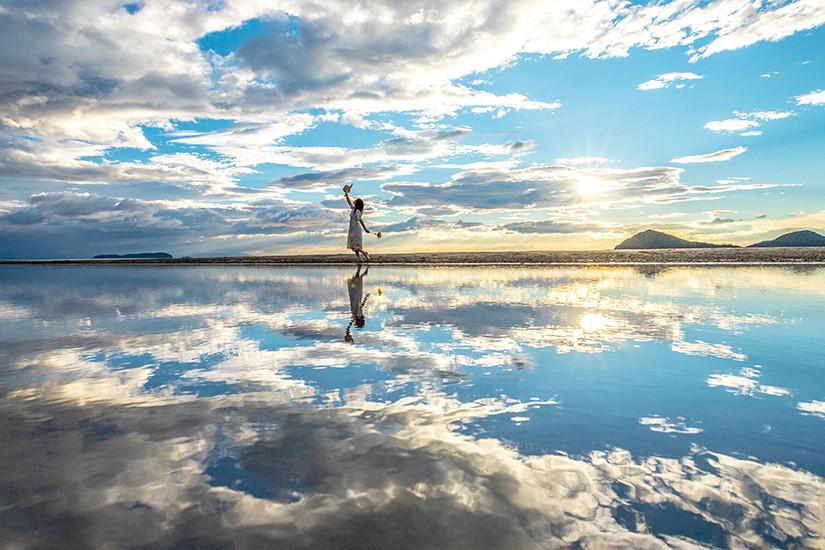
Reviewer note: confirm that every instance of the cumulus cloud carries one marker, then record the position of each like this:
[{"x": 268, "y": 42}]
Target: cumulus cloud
[
  {"x": 731, "y": 125},
  {"x": 393, "y": 57},
  {"x": 404, "y": 145},
  {"x": 221, "y": 88},
  {"x": 717, "y": 156},
  {"x": 743, "y": 25},
  {"x": 53, "y": 161},
  {"x": 253, "y": 135},
  {"x": 668, "y": 79},
  {"x": 493, "y": 189},
  {"x": 290, "y": 216},
  {"x": 330, "y": 178},
  {"x": 425, "y": 224},
  {"x": 745, "y": 122},
  {"x": 92, "y": 224},
  {"x": 812, "y": 98},
  {"x": 549, "y": 227},
  {"x": 719, "y": 221},
  {"x": 519, "y": 146}
]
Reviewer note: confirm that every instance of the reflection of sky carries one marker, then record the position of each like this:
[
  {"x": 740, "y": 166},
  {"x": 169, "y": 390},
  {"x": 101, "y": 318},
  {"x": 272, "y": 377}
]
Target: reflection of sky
[{"x": 481, "y": 407}]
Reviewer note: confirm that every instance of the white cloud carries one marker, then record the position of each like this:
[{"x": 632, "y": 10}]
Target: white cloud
[
  {"x": 78, "y": 79},
  {"x": 322, "y": 180},
  {"x": 390, "y": 57},
  {"x": 812, "y": 98},
  {"x": 496, "y": 189},
  {"x": 717, "y": 156},
  {"x": 765, "y": 115},
  {"x": 541, "y": 186},
  {"x": 744, "y": 122},
  {"x": 85, "y": 223},
  {"x": 409, "y": 146},
  {"x": 667, "y": 79},
  {"x": 259, "y": 134},
  {"x": 731, "y": 125},
  {"x": 741, "y": 24}
]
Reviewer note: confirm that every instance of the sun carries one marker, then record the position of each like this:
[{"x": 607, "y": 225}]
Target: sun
[{"x": 590, "y": 186}]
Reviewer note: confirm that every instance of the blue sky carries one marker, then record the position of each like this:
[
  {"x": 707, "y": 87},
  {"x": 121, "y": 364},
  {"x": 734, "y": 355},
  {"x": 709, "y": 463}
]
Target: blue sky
[{"x": 212, "y": 128}]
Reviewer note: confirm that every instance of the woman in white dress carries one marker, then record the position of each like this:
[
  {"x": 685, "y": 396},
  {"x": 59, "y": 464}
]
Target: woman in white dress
[
  {"x": 355, "y": 239},
  {"x": 355, "y": 289}
]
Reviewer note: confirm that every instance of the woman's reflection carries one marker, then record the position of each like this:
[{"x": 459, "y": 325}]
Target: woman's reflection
[{"x": 355, "y": 288}]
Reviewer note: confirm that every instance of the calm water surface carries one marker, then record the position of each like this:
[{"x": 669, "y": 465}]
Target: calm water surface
[{"x": 412, "y": 407}]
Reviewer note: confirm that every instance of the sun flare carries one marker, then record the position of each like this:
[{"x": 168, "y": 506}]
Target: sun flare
[
  {"x": 590, "y": 186},
  {"x": 592, "y": 322}
]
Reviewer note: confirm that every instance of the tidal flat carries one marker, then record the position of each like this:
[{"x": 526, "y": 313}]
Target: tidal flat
[{"x": 385, "y": 406}]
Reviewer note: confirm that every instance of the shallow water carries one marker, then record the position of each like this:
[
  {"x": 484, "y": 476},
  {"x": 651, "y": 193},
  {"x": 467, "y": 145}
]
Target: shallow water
[{"x": 459, "y": 407}]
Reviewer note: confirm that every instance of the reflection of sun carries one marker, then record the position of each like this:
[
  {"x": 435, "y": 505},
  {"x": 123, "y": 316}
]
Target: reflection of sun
[
  {"x": 589, "y": 186},
  {"x": 592, "y": 322}
]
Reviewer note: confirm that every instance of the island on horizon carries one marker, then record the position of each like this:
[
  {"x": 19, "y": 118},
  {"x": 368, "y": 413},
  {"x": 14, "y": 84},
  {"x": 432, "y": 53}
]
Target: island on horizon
[{"x": 650, "y": 239}]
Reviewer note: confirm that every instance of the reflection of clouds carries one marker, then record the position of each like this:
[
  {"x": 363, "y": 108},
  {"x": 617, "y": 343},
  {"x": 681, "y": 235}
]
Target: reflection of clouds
[
  {"x": 281, "y": 462},
  {"x": 815, "y": 408},
  {"x": 668, "y": 426},
  {"x": 745, "y": 383},
  {"x": 249, "y": 470},
  {"x": 490, "y": 316},
  {"x": 10, "y": 312},
  {"x": 572, "y": 309},
  {"x": 736, "y": 384},
  {"x": 703, "y": 349}
]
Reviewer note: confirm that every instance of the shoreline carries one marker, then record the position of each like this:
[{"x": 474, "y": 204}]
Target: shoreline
[{"x": 686, "y": 257}]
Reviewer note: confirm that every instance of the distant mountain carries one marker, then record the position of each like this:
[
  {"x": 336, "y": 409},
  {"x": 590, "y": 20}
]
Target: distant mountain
[
  {"x": 796, "y": 238},
  {"x": 656, "y": 239},
  {"x": 142, "y": 255}
]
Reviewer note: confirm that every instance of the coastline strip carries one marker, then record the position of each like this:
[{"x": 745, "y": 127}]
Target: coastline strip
[{"x": 810, "y": 256}]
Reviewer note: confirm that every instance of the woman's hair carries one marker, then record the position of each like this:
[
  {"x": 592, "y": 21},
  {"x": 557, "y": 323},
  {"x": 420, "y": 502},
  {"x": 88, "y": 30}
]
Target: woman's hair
[{"x": 359, "y": 204}]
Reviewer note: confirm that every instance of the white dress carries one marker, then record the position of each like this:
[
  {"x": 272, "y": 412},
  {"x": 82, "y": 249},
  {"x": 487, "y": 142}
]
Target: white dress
[{"x": 355, "y": 238}]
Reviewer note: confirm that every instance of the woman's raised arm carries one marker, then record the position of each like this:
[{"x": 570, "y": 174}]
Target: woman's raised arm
[{"x": 346, "y": 194}]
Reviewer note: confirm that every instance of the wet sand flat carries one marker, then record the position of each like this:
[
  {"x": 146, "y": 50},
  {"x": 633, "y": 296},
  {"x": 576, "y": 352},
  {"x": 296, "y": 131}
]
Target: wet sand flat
[{"x": 722, "y": 256}]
